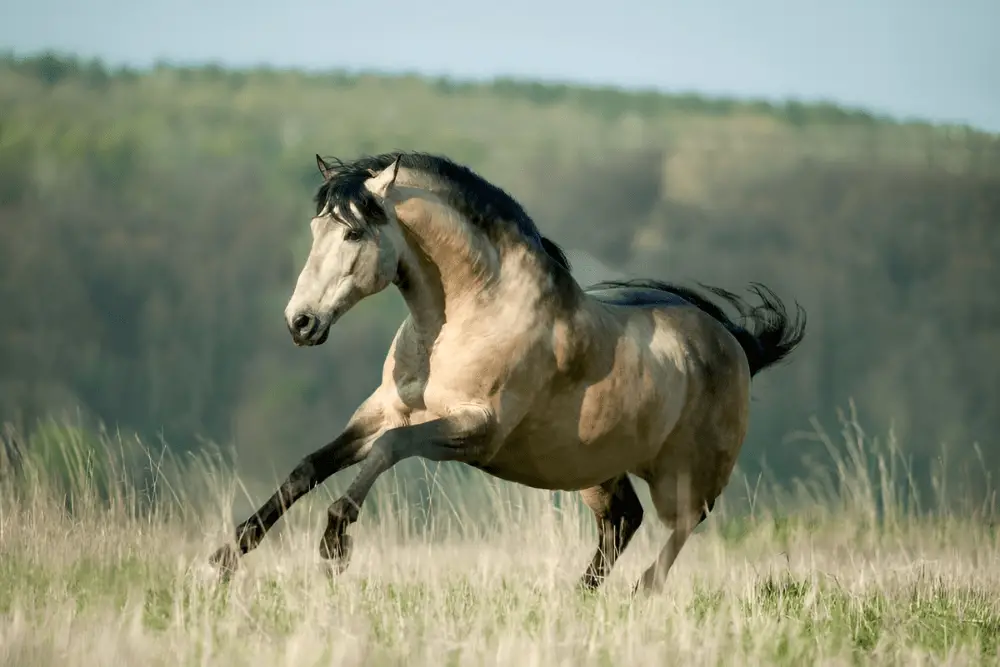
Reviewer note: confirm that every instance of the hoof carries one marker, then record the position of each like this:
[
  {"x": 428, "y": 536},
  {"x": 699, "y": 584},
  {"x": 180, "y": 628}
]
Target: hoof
[
  {"x": 336, "y": 550},
  {"x": 226, "y": 559}
]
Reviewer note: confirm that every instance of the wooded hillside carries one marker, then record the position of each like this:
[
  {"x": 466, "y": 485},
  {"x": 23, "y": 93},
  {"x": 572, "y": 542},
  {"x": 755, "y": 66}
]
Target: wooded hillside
[{"x": 152, "y": 224}]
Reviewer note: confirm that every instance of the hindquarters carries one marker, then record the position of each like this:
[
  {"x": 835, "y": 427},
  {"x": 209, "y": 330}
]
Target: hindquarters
[
  {"x": 697, "y": 457},
  {"x": 694, "y": 462},
  {"x": 723, "y": 354}
]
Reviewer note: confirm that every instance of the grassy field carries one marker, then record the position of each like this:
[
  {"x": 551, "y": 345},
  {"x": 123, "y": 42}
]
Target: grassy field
[{"x": 835, "y": 573}]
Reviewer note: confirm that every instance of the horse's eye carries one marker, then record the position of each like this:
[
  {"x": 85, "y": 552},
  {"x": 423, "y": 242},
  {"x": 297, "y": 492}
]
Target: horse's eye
[{"x": 353, "y": 234}]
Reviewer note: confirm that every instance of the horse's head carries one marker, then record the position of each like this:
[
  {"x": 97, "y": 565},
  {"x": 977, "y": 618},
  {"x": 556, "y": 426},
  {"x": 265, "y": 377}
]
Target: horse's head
[{"x": 356, "y": 247}]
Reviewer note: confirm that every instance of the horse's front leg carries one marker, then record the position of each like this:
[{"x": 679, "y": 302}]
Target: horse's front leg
[
  {"x": 464, "y": 435},
  {"x": 348, "y": 448}
]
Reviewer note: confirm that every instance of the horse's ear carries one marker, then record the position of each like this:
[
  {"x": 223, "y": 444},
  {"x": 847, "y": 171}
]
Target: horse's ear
[
  {"x": 326, "y": 169},
  {"x": 380, "y": 183}
]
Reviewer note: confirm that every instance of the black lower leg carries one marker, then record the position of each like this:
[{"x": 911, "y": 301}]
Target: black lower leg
[
  {"x": 311, "y": 472},
  {"x": 455, "y": 438},
  {"x": 619, "y": 514},
  {"x": 336, "y": 544},
  {"x": 303, "y": 479}
]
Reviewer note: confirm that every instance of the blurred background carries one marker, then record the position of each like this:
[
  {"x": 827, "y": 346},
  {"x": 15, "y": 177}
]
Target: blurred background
[{"x": 157, "y": 175}]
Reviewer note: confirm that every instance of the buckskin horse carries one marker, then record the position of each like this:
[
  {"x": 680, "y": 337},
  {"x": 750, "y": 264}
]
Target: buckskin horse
[{"x": 507, "y": 364}]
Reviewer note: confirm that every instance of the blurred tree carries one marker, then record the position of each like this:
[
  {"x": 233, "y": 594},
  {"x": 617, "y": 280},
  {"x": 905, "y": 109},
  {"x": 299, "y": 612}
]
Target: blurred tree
[{"x": 152, "y": 223}]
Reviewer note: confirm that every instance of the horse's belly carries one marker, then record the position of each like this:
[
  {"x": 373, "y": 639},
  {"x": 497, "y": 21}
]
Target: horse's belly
[{"x": 548, "y": 455}]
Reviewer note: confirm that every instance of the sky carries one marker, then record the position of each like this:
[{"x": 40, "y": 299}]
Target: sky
[{"x": 934, "y": 60}]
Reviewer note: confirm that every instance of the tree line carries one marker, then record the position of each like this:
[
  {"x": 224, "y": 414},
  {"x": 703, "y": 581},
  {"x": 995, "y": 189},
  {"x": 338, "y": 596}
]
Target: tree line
[{"x": 152, "y": 223}]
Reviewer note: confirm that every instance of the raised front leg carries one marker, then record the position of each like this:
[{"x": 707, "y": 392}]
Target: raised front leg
[
  {"x": 619, "y": 514},
  {"x": 464, "y": 435},
  {"x": 348, "y": 448}
]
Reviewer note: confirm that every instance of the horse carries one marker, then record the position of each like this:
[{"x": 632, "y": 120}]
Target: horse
[{"x": 505, "y": 363}]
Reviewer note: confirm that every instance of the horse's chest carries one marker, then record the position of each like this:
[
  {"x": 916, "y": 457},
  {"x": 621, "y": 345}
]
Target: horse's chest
[
  {"x": 434, "y": 387},
  {"x": 410, "y": 392}
]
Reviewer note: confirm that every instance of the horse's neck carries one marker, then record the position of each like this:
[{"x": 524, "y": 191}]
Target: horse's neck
[
  {"x": 443, "y": 265},
  {"x": 423, "y": 292},
  {"x": 449, "y": 270}
]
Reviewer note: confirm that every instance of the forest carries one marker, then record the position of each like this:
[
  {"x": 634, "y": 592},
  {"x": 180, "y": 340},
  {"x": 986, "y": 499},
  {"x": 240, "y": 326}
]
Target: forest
[{"x": 152, "y": 223}]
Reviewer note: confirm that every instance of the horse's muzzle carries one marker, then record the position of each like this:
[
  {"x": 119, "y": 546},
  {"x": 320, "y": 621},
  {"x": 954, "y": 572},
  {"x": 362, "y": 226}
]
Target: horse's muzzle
[{"x": 307, "y": 330}]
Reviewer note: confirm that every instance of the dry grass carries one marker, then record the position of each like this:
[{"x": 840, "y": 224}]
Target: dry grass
[{"x": 828, "y": 581}]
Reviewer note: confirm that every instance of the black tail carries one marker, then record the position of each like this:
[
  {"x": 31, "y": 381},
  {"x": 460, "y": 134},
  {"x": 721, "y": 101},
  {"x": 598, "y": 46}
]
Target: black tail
[{"x": 765, "y": 332}]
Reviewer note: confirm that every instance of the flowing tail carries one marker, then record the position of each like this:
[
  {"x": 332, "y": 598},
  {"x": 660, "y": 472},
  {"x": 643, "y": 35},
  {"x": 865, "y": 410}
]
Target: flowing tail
[{"x": 765, "y": 331}]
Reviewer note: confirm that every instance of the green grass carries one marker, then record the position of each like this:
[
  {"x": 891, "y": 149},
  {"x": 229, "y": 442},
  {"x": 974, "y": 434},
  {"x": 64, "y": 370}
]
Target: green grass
[{"x": 103, "y": 583}]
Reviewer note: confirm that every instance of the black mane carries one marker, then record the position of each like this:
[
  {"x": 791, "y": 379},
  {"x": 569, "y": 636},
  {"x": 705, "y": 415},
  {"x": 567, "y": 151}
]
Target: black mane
[{"x": 486, "y": 206}]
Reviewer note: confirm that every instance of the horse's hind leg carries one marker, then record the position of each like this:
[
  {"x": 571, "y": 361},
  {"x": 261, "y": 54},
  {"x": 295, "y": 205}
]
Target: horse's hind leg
[
  {"x": 619, "y": 515},
  {"x": 656, "y": 574},
  {"x": 672, "y": 499}
]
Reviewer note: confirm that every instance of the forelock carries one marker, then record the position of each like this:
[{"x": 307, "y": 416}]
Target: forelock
[{"x": 350, "y": 202}]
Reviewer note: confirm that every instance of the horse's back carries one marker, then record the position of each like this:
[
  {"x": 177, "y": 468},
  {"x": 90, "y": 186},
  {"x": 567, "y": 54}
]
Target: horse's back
[
  {"x": 680, "y": 321},
  {"x": 635, "y": 296}
]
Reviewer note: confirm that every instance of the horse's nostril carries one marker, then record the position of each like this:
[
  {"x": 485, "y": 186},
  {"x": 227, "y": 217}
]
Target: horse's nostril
[{"x": 304, "y": 324}]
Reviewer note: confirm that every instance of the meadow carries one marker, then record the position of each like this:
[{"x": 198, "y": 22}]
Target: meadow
[
  {"x": 101, "y": 564},
  {"x": 151, "y": 226}
]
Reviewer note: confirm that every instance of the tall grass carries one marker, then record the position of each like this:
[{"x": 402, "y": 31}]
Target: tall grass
[{"x": 103, "y": 546}]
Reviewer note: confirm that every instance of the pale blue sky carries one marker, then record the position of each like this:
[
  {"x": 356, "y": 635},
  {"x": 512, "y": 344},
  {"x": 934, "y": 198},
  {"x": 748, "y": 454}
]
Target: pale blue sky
[{"x": 931, "y": 59}]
